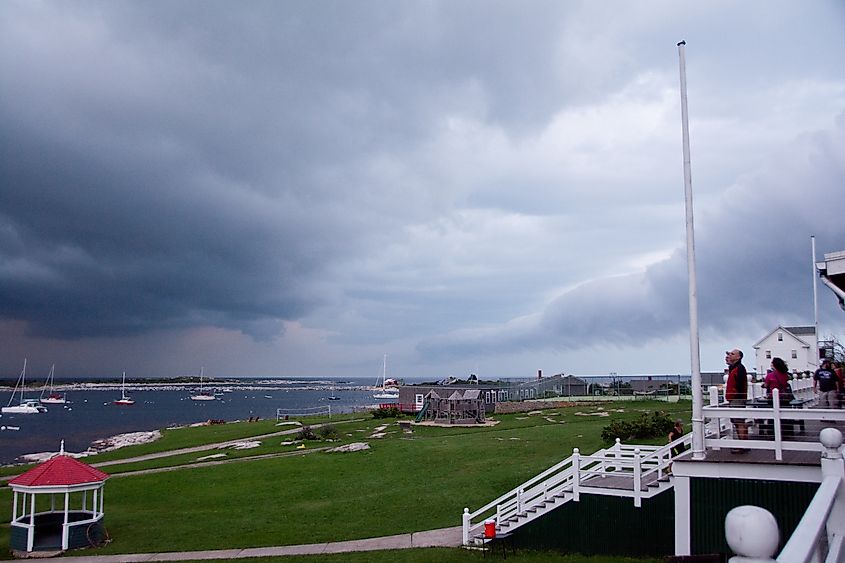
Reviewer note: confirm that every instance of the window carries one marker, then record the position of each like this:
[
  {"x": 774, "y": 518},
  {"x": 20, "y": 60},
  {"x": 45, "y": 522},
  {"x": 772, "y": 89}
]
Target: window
[
  {"x": 780, "y": 337},
  {"x": 418, "y": 398},
  {"x": 487, "y": 397},
  {"x": 794, "y": 354},
  {"x": 768, "y": 354}
]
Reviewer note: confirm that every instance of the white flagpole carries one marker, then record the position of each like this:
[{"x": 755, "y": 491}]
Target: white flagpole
[{"x": 695, "y": 354}]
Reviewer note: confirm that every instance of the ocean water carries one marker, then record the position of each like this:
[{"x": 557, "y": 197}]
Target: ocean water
[{"x": 90, "y": 414}]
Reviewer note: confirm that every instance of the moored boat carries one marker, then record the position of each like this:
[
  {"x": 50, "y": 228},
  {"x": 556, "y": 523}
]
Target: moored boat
[
  {"x": 125, "y": 400},
  {"x": 24, "y": 406},
  {"x": 385, "y": 392},
  {"x": 52, "y": 397},
  {"x": 203, "y": 395}
]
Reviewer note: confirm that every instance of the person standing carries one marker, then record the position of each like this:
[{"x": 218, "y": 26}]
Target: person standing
[
  {"x": 778, "y": 378},
  {"x": 826, "y": 383},
  {"x": 736, "y": 391}
]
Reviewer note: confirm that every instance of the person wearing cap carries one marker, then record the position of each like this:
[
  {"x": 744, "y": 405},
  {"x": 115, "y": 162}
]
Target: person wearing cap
[{"x": 826, "y": 384}]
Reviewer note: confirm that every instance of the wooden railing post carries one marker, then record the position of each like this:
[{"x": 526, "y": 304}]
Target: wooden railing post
[
  {"x": 833, "y": 464},
  {"x": 638, "y": 474},
  {"x": 576, "y": 475},
  {"x": 618, "y": 453},
  {"x": 466, "y": 524}
]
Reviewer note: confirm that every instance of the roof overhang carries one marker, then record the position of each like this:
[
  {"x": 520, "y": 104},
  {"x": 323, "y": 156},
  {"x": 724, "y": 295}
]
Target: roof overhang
[
  {"x": 55, "y": 489},
  {"x": 832, "y": 274}
]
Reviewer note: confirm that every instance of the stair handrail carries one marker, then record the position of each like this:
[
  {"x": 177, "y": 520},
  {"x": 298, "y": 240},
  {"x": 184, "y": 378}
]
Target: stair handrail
[
  {"x": 620, "y": 460},
  {"x": 558, "y": 475},
  {"x": 511, "y": 495},
  {"x": 663, "y": 455},
  {"x": 537, "y": 490}
]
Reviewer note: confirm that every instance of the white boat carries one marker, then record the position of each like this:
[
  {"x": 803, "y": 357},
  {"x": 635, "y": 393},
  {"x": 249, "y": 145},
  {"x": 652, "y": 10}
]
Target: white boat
[
  {"x": 203, "y": 395},
  {"x": 52, "y": 397},
  {"x": 125, "y": 400},
  {"x": 386, "y": 392},
  {"x": 24, "y": 406}
]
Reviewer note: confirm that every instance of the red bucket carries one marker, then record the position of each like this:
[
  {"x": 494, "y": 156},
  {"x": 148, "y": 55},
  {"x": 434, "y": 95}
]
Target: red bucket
[{"x": 489, "y": 529}]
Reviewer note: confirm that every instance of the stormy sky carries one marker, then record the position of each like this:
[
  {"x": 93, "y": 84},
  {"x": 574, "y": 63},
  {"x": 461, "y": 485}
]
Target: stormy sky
[{"x": 297, "y": 188}]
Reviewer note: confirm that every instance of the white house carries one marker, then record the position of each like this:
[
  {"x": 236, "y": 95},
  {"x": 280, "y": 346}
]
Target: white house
[{"x": 796, "y": 345}]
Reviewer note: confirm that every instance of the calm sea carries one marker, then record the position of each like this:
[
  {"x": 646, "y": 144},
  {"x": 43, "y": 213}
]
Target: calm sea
[{"x": 90, "y": 414}]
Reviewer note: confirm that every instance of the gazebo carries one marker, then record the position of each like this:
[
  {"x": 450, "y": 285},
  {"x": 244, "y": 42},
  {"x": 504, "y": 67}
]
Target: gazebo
[{"x": 38, "y": 524}]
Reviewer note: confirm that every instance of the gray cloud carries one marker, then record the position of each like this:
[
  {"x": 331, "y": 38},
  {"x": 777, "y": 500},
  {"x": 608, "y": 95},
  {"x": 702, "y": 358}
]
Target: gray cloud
[
  {"x": 753, "y": 254},
  {"x": 446, "y": 178}
]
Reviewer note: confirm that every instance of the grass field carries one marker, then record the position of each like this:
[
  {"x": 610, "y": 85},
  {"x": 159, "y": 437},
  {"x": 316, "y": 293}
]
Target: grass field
[{"x": 403, "y": 483}]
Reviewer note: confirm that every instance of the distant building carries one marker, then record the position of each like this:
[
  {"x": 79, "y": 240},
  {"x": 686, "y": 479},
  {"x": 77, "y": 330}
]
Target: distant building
[
  {"x": 413, "y": 397},
  {"x": 796, "y": 345}
]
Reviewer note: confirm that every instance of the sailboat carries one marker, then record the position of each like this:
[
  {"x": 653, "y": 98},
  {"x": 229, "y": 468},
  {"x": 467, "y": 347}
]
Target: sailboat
[
  {"x": 125, "y": 400},
  {"x": 24, "y": 406},
  {"x": 385, "y": 393},
  {"x": 202, "y": 395},
  {"x": 52, "y": 398}
]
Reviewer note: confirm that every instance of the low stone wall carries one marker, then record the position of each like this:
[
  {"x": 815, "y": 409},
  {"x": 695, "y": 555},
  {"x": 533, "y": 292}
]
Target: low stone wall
[{"x": 507, "y": 407}]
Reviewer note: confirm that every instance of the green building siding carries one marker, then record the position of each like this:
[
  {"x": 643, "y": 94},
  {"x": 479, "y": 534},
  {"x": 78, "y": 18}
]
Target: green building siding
[
  {"x": 712, "y": 499},
  {"x": 605, "y": 525}
]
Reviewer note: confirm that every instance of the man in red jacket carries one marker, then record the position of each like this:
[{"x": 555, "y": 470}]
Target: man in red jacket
[{"x": 736, "y": 390}]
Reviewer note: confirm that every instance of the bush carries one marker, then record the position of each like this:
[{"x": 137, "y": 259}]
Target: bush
[
  {"x": 658, "y": 424},
  {"x": 306, "y": 433},
  {"x": 327, "y": 432},
  {"x": 387, "y": 412}
]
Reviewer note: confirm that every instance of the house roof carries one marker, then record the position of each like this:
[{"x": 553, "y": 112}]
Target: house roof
[
  {"x": 61, "y": 470},
  {"x": 802, "y": 331}
]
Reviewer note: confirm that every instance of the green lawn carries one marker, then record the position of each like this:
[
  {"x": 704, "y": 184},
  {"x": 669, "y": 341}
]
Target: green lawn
[{"x": 404, "y": 483}]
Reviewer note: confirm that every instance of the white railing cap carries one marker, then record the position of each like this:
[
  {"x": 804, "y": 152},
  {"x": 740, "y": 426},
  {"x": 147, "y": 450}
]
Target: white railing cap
[{"x": 752, "y": 533}]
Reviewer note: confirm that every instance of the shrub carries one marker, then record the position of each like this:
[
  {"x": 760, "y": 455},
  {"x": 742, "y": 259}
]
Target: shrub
[
  {"x": 386, "y": 412},
  {"x": 658, "y": 424},
  {"x": 327, "y": 432},
  {"x": 306, "y": 433}
]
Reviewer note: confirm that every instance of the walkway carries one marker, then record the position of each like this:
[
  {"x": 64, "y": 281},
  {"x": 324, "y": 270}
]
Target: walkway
[{"x": 444, "y": 537}]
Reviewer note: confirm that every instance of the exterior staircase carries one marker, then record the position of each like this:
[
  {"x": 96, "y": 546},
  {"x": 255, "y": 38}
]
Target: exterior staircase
[{"x": 631, "y": 471}]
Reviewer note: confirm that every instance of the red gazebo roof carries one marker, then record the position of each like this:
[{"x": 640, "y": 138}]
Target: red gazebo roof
[{"x": 61, "y": 470}]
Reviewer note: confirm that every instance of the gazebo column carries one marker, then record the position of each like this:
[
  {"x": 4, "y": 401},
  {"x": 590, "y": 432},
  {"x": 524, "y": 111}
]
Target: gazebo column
[
  {"x": 65, "y": 526},
  {"x": 15, "y": 508},
  {"x": 30, "y": 533},
  {"x": 102, "y": 494}
]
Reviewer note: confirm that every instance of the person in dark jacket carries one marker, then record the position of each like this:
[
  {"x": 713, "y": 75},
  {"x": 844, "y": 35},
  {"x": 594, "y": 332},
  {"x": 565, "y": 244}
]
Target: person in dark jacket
[{"x": 736, "y": 391}]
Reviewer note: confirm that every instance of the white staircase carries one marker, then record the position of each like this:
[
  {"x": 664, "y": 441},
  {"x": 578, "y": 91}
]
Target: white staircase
[{"x": 631, "y": 471}]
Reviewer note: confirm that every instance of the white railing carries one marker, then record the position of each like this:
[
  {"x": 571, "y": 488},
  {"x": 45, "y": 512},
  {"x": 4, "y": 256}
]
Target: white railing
[
  {"x": 572, "y": 476},
  {"x": 752, "y": 532},
  {"x": 772, "y": 418}
]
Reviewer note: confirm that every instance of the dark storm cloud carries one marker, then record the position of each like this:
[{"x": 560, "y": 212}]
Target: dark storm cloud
[{"x": 179, "y": 164}]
